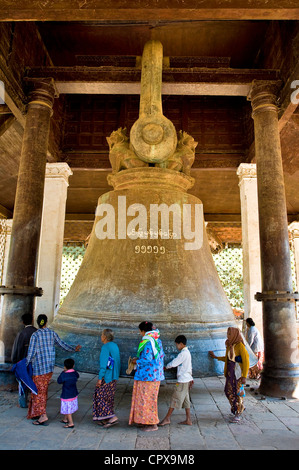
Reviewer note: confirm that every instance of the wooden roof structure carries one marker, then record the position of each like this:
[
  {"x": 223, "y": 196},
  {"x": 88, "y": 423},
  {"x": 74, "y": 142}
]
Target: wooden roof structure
[{"x": 212, "y": 53}]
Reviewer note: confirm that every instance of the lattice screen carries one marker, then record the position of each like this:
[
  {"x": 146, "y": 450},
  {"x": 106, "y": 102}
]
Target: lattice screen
[
  {"x": 72, "y": 257},
  {"x": 229, "y": 265}
]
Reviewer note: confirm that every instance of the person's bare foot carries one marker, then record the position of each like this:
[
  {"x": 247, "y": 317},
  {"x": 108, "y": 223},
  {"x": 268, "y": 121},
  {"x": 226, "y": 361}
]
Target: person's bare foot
[
  {"x": 112, "y": 420},
  {"x": 188, "y": 423},
  {"x": 149, "y": 428},
  {"x": 164, "y": 422}
]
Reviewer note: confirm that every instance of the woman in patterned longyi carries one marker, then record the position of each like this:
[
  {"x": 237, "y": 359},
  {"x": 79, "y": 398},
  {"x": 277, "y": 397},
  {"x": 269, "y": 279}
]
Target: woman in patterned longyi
[
  {"x": 235, "y": 370},
  {"x": 103, "y": 399},
  {"x": 149, "y": 373}
]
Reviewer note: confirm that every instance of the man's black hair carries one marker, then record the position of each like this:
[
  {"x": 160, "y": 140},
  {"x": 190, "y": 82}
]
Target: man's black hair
[
  {"x": 27, "y": 318},
  {"x": 181, "y": 339}
]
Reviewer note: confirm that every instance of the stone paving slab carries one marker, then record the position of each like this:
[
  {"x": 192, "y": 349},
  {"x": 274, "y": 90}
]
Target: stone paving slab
[{"x": 267, "y": 424}]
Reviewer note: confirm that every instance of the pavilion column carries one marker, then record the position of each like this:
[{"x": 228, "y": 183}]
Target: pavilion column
[
  {"x": 294, "y": 230},
  {"x": 51, "y": 243},
  {"x": 281, "y": 369},
  {"x": 250, "y": 242},
  {"x": 8, "y": 223},
  {"x": 20, "y": 288}
]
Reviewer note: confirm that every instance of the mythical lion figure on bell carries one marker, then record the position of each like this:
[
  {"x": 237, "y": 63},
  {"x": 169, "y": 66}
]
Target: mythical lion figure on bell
[{"x": 122, "y": 155}]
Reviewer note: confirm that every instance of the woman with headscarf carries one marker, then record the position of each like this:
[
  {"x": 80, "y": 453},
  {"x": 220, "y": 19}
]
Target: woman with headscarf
[
  {"x": 41, "y": 354},
  {"x": 149, "y": 373},
  {"x": 236, "y": 369}
]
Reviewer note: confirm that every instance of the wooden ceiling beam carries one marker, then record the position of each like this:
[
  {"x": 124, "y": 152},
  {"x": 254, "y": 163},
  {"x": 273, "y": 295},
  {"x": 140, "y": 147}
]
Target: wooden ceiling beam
[
  {"x": 5, "y": 213},
  {"x": 5, "y": 124},
  {"x": 126, "y": 88},
  {"x": 177, "y": 81},
  {"x": 4, "y": 109},
  {"x": 136, "y": 10},
  {"x": 133, "y": 74}
]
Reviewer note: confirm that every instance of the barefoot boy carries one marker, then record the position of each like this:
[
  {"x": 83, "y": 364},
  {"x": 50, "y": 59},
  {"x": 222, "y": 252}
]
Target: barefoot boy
[{"x": 180, "y": 397}]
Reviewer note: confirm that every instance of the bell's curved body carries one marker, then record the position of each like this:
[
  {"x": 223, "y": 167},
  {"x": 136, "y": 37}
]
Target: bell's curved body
[{"x": 123, "y": 281}]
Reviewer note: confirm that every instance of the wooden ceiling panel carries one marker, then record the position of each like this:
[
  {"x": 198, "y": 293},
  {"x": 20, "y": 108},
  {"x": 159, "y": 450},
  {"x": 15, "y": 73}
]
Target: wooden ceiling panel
[
  {"x": 292, "y": 192},
  {"x": 10, "y": 152},
  {"x": 226, "y": 234},
  {"x": 77, "y": 231},
  {"x": 239, "y": 40},
  {"x": 218, "y": 190},
  {"x": 218, "y": 124}
]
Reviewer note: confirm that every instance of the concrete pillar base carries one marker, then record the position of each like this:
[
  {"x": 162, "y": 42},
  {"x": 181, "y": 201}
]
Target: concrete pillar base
[{"x": 281, "y": 383}]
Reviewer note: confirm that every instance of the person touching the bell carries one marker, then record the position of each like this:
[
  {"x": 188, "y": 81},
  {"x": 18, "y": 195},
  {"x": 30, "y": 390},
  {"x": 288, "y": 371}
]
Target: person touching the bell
[
  {"x": 41, "y": 353},
  {"x": 236, "y": 369},
  {"x": 149, "y": 373}
]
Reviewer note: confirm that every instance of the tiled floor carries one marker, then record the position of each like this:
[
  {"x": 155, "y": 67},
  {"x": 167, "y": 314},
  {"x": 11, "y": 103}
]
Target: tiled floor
[{"x": 266, "y": 424}]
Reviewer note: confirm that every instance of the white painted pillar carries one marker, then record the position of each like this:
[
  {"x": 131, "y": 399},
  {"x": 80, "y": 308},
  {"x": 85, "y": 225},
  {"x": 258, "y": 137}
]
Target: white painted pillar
[
  {"x": 250, "y": 242},
  {"x": 51, "y": 243},
  {"x": 294, "y": 230},
  {"x": 8, "y": 224}
]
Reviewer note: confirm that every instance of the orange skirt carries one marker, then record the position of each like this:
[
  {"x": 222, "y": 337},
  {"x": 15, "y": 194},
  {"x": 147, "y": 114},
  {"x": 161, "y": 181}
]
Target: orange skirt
[
  {"x": 37, "y": 404},
  {"x": 255, "y": 371},
  {"x": 144, "y": 408}
]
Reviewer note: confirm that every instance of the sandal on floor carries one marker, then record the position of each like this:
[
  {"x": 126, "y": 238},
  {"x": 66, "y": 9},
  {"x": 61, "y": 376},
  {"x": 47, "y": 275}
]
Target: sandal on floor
[
  {"x": 235, "y": 419},
  {"x": 69, "y": 426},
  {"x": 108, "y": 425},
  {"x": 43, "y": 423}
]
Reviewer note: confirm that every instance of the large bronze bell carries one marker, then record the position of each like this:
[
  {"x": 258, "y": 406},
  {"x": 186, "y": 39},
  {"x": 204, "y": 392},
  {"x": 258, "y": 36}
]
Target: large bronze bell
[{"x": 148, "y": 257}]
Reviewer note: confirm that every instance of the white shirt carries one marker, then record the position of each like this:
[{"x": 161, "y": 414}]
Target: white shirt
[
  {"x": 254, "y": 339},
  {"x": 183, "y": 362}
]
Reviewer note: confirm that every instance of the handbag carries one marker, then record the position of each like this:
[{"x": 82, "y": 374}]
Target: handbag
[{"x": 110, "y": 363}]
